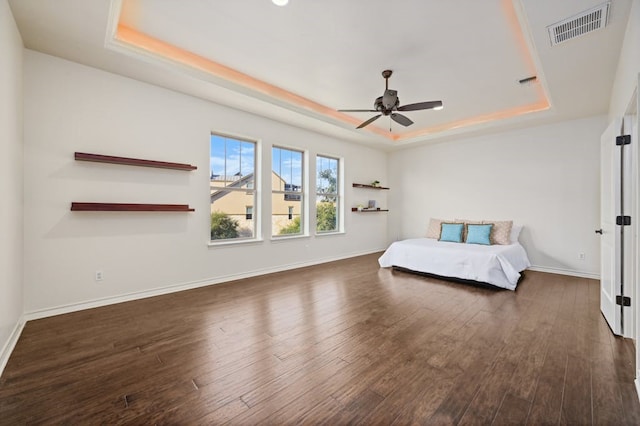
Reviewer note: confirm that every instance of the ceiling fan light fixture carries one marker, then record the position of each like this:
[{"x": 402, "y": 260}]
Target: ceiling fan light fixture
[
  {"x": 280, "y": 2},
  {"x": 438, "y": 108}
]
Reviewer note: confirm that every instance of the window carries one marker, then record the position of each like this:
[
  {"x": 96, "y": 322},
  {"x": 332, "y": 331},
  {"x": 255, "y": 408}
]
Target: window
[
  {"x": 232, "y": 182},
  {"x": 287, "y": 192},
  {"x": 327, "y": 194}
]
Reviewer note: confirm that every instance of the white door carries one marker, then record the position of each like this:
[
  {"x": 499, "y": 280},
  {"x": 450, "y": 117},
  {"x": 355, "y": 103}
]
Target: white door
[
  {"x": 615, "y": 247},
  {"x": 628, "y": 326},
  {"x": 610, "y": 239}
]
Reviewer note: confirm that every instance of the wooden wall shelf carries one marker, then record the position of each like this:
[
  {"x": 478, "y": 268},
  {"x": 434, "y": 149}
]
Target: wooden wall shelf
[
  {"x": 355, "y": 209},
  {"x": 362, "y": 185},
  {"x": 122, "y": 207},
  {"x": 98, "y": 158}
]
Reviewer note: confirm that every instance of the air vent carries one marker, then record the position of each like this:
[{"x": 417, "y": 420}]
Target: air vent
[{"x": 581, "y": 24}]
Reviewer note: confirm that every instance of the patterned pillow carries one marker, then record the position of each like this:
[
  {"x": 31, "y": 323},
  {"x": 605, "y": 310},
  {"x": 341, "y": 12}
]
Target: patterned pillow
[
  {"x": 501, "y": 231},
  {"x": 433, "y": 231}
]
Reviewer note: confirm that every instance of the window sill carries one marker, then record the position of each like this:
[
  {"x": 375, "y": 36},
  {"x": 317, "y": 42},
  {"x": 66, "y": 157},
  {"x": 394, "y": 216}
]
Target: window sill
[
  {"x": 288, "y": 237},
  {"x": 227, "y": 243},
  {"x": 327, "y": 234}
]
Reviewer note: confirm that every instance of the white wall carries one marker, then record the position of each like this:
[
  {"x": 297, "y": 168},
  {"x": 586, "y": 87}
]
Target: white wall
[
  {"x": 11, "y": 293},
  {"x": 69, "y": 107},
  {"x": 628, "y": 66},
  {"x": 545, "y": 178}
]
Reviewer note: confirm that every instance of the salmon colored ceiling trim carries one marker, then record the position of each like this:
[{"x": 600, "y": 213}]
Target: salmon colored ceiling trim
[
  {"x": 541, "y": 105},
  {"x": 139, "y": 40},
  {"x": 165, "y": 50},
  {"x": 516, "y": 29},
  {"x": 479, "y": 119}
]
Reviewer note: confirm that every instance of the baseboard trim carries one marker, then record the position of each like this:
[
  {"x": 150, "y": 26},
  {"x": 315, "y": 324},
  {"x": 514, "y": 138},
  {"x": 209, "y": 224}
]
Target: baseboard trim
[
  {"x": 569, "y": 272},
  {"x": 96, "y": 303},
  {"x": 8, "y": 347}
]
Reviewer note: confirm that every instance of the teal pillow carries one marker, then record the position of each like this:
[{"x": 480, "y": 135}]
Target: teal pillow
[
  {"x": 479, "y": 234},
  {"x": 451, "y": 232}
]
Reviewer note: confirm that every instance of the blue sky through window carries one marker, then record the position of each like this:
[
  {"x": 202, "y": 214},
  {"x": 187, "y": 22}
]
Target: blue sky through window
[
  {"x": 322, "y": 164},
  {"x": 287, "y": 164},
  {"x": 231, "y": 157}
]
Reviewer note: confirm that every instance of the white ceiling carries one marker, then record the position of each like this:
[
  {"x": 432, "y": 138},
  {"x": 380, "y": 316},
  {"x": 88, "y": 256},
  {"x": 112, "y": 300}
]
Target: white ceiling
[{"x": 300, "y": 63}]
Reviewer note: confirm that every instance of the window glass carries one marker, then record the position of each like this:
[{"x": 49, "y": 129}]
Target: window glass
[
  {"x": 232, "y": 188},
  {"x": 287, "y": 192},
  {"x": 327, "y": 194}
]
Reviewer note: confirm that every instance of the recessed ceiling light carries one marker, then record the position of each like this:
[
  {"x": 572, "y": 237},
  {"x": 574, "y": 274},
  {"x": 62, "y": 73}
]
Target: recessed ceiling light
[{"x": 280, "y": 2}]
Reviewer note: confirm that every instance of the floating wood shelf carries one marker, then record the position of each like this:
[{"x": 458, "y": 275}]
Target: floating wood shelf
[
  {"x": 122, "y": 207},
  {"x": 355, "y": 209},
  {"x": 362, "y": 185},
  {"x": 98, "y": 158}
]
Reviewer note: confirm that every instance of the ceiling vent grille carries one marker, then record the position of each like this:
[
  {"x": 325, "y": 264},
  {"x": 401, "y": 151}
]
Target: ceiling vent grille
[{"x": 581, "y": 24}]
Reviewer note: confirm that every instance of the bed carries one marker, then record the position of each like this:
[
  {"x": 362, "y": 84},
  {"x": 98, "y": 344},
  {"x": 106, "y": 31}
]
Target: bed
[{"x": 498, "y": 265}]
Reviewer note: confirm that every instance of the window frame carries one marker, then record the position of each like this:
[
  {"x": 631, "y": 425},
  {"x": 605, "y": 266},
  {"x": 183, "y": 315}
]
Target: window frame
[
  {"x": 339, "y": 229},
  {"x": 253, "y": 188},
  {"x": 293, "y": 195}
]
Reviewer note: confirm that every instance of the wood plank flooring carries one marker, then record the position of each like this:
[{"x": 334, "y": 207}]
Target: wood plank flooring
[{"x": 340, "y": 343}]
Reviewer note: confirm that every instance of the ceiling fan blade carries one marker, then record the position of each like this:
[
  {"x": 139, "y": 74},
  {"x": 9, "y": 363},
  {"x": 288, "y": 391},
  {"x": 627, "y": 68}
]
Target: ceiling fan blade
[
  {"x": 357, "y": 110},
  {"x": 401, "y": 119},
  {"x": 420, "y": 105},
  {"x": 369, "y": 121}
]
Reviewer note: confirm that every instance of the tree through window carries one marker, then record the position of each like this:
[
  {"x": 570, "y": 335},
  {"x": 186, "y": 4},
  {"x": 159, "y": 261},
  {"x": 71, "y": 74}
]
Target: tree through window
[
  {"x": 232, "y": 188},
  {"x": 327, "y": 194}
]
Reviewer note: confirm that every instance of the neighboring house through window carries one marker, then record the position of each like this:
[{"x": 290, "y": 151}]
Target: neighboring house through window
[
  {"x": 287, "y": 192},
  {"x": 232, "y": 188},
  {"x": 327, "y": 194}
]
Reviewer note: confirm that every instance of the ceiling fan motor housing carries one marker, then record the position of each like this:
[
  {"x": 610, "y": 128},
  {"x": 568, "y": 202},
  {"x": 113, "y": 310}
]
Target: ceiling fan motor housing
[{"x": 387, "y": 103}]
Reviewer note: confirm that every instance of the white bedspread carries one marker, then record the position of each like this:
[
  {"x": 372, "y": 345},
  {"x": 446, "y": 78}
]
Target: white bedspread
[{"x": 499, "y": 265}]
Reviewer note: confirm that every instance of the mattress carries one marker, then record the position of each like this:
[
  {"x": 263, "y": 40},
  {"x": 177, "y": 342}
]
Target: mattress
[{"x": 499, "y": 265}]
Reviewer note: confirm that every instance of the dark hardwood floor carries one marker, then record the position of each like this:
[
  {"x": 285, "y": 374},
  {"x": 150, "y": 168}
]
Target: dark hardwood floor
[{"x": 341, "y": 343}]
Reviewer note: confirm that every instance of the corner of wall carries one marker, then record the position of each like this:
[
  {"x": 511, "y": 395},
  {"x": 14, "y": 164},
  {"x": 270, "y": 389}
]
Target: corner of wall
[
  {"x": 628, "y": 67},
  {"x": 11, "y": 184},
  {"x": 10, "y": 345}
]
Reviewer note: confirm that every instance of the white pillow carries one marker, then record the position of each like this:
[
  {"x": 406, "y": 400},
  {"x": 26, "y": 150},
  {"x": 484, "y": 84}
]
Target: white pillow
[{"x": 515, "y": 233}]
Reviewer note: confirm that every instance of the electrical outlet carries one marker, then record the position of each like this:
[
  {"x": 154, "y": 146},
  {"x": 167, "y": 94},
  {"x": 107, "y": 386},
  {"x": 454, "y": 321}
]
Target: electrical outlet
[
  {"x": 581, "y": 256},
  {"x": 99, "y": 275}
]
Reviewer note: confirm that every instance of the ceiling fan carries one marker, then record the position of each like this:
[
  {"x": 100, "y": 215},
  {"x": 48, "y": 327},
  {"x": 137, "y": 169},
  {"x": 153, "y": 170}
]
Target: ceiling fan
[{"x": 389, "y": 103}]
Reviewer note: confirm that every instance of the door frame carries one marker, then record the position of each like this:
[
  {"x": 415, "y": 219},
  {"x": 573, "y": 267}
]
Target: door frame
[
  {"x": 632, "y": 112},
  {"x": 631, "y": 116}
]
